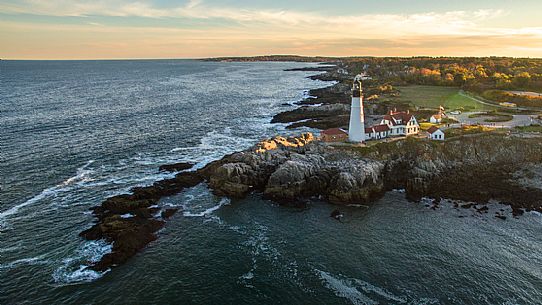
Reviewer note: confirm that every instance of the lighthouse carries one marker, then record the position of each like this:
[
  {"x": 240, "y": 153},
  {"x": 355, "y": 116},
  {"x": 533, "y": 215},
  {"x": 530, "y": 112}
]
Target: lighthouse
[{"x": 356, "y": 130}]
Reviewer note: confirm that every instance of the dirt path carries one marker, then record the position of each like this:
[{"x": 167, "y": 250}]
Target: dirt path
[{"x": 517, "y": 120}]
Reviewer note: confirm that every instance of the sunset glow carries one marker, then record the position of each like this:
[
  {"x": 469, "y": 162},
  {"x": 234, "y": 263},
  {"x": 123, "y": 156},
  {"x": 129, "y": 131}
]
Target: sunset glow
[{"x": 62, "y": 29}]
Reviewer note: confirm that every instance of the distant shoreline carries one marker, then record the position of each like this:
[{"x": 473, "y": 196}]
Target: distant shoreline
[{"x": 283, "y": 58}]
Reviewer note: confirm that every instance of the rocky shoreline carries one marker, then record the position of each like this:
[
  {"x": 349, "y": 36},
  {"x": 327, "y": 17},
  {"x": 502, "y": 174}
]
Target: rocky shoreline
[
  {"x": 478, "y": 169},
  {"x": 291, "y": 171},
  {"x": 324, "y": 107},
  {"x": 473, "y": 170},
  {"x": 130, "y": 222}
]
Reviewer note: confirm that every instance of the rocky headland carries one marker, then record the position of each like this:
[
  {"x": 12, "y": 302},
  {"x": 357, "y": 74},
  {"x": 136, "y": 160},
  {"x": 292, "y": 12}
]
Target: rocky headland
[
  {"x": 478, "y": 169},
  {"x": 474, "y": 169}
]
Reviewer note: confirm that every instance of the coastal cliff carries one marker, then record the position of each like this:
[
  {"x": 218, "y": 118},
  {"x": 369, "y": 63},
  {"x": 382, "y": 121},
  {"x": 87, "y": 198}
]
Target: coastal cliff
[
  {"x": 292, "y": 170},
  {"x": 476, "y": 168}
]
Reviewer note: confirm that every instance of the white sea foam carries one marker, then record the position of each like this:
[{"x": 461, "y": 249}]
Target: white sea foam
[
  {"x": 358, "y": 205},
  {"x": 356, "y": 290},
  {"x": 248, "y": 276},
  {"x": 214, "y": 219},
  {"x": 222, "y": 202},
  {"x": 345, "y": 289},
  {"x": 75, "y": 269},
  {"x": 213, "y": 146},
  {"x": 82, "y": 274},
  {"x": 38, "y": 260},
  {"x": 367, "y": 287},
  {"x": 9, "y": 249},
  {"x": 44, "y": 194},
  {"x": 260, "y": 248},
  {"x": 80, "y": 176}
]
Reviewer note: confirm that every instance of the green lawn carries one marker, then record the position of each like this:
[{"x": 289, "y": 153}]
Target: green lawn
[
  {"x": 433, "y": 96},
  {"x": 532, "y": 128}
]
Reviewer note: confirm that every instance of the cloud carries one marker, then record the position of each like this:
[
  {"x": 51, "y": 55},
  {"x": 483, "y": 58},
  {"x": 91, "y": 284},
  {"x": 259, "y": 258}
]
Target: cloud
[
  {"x": 285, "y": 22},
  {"x": 280, "y": 21},
  {"x": 216, "y": 31}
]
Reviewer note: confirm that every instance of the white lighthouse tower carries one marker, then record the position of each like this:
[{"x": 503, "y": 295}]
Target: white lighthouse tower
[{"x": 356, "y": 130}]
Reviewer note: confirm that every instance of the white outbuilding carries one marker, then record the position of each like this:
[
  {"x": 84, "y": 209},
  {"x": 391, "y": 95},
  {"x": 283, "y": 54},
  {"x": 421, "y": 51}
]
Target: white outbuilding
[
  {"x": 435, "y": 133},
  {"x": 436, "y": 119}
]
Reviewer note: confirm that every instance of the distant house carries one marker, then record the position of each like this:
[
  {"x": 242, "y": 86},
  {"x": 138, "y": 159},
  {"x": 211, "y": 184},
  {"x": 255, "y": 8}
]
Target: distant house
[
  {"x": 401, "y": 124},
  {"x": 334, "y": 135},
  {"x": 435, "y": 133},
  {"x": 377, "y": 132},
  {"x": 508, "y": 104},
  {"x": 436, "y": 118}
]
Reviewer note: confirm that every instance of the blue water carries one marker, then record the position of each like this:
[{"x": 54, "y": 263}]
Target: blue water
[{"x": 76, "y": 132}]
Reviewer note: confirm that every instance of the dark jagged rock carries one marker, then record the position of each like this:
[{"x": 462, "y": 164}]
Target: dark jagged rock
[
  {"x": 483, "y": 209},
  {"x": 350, "y": 174},
  {"x": 333, "y": 102},
  {"x": 176, "y": 167},
  {"x": 128, "y": 221},
  {"x": 517, "y": 211},
  {"x": 167, "y": 213},
  {"x": 500, "y": 216},
  {"x": 336, "y": 214}
]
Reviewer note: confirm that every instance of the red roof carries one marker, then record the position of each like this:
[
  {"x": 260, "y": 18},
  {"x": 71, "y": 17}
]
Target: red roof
[
  {"x": 377, "y": 128},
  {"x": 432, "y": 129},
  {"x": 333, "y": 131},
  {"x": 382, "y": 127},
  {"x": 404, "y": 117}
]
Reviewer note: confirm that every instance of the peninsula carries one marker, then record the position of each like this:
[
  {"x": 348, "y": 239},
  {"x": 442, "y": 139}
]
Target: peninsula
[{"x": 474, "y": 166}]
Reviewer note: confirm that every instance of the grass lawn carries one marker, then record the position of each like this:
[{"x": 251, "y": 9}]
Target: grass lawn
[
  {"x": 466, "y": 130},
  {"x": 532, "y": 128},
  {"x": 433, "y": 96},
  {"x": 493, "y": 117},
  {"x": 426, "y": 125}
]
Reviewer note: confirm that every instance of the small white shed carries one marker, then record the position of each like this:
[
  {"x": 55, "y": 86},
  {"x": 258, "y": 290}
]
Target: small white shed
[
  {"x": 436, "y": 118},
  {"x": 435, "y": 133}
]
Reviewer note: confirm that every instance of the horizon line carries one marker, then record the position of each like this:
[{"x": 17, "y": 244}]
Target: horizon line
[{"x": 256, "y": 56}]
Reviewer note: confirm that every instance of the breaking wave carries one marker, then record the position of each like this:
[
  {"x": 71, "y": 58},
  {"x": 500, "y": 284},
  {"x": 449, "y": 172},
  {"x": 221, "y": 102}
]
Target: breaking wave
[
  {"x": 76, "y": 269},
  {"x": 344, "y": 289},
  {"x": 38, "y": 260},
  {"x": 222, "y": 202},
  {"x": 81, "y": 176},
  {"x": 357, "y": 291}
]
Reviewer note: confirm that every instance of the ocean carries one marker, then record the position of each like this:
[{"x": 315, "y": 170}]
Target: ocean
[{"x": 73, "y": 133}]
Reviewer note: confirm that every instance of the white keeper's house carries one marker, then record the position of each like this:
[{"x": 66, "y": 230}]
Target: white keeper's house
[
  {"x": 393, "y": 124},
  {"x": 401, "y": 123}
]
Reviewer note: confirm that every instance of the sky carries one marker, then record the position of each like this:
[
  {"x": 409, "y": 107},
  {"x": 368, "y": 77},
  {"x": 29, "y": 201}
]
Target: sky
[{"x": 110, "y": 29}]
